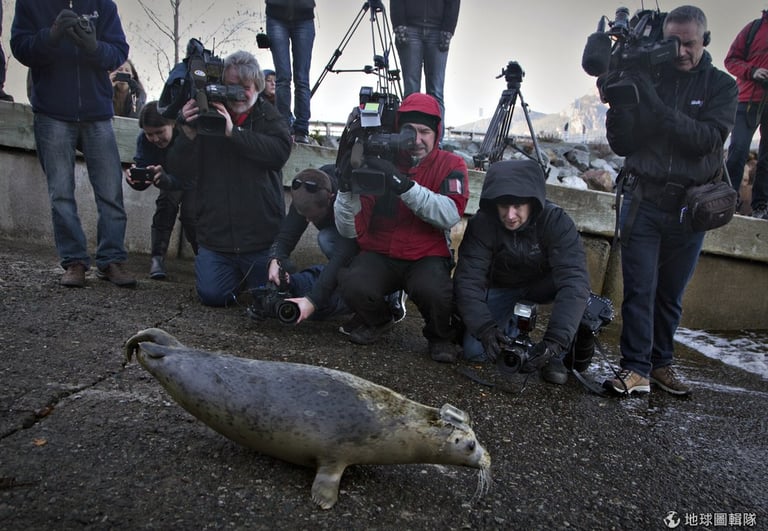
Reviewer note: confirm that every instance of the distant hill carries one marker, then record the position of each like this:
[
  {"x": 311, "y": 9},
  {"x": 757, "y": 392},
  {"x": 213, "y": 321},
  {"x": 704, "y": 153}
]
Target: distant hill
[{"x": 585, "y": 118}]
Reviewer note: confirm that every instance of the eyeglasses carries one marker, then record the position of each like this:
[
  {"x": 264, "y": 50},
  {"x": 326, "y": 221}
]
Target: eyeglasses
[{"x": 311, "y": 186}]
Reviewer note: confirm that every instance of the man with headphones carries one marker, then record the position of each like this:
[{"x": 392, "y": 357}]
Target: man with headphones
[{"x": 671, "y": 140}]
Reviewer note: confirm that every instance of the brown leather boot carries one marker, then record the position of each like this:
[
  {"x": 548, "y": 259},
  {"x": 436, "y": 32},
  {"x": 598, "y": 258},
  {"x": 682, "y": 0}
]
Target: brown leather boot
[
  {"x": 115, "y": 273},
  {"x": 74, "y": 276}
]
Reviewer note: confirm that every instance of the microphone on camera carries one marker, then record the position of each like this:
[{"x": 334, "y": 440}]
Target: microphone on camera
[{"x": 597, "y": 52}]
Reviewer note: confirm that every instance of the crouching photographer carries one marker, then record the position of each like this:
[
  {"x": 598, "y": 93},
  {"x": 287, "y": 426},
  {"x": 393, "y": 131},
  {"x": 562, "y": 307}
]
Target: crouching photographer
[
  {"x": 520, "y": 247},
  {"x": 404, "y": 233}
]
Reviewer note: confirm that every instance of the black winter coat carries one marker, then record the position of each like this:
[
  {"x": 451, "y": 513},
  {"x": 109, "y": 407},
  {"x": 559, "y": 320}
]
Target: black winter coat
[
  {"x": 545, "y": 255},
  {"x": 239, "y": 181}
]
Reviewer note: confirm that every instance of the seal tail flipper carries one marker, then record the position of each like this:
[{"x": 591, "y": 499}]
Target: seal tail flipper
[
  {"x": 153, "y": 335},
  {"x": 325, "y": 489}
]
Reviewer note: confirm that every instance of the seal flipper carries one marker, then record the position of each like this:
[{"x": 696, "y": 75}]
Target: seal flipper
[{"x": 325, "y": 489}]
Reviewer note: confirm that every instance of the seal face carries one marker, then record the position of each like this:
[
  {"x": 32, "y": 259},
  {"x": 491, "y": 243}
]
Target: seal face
[{"x": 308, "y": 415}]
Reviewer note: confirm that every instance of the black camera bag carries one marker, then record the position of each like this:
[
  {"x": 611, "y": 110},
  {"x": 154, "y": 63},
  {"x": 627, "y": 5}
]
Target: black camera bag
[{"x": 709, "y": 206}]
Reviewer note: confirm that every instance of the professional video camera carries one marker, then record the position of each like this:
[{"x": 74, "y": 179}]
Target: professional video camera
[
  {"x": 270, "y": 301},
  {"x": 634, "y": 44},
  {"x": 515, "y": 355},
  {"x": 370, "y": 133},
  {"x": 199, "y": 76}
]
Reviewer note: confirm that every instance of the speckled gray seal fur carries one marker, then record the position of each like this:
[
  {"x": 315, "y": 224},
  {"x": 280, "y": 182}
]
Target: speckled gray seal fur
[{"x": 308, "y": 415}]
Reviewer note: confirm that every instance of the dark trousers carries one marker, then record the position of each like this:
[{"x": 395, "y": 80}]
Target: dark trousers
[
  {"x": 166, "y": 207},
  {"x": 748, "y": 118},
  {"x": 364, "y": 284}
]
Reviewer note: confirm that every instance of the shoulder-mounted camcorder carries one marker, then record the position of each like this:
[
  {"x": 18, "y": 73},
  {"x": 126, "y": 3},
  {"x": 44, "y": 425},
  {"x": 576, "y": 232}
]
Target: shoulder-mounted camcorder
[{"x": 199, "y": 76}]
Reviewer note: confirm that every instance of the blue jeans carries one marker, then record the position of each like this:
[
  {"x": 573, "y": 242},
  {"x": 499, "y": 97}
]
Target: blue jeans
[
  {"x": 221, "y": 276},
  {"x": 421, "y": 48},
  {"x": 658, "y": 259},
  {"x": 56, "y": 142},
  {"x": 747, "y": 121},
  {"x": 295, "y": 38}
]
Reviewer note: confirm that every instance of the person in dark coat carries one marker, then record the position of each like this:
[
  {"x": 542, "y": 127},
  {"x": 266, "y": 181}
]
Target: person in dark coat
[{"x": 519, "y": 246}]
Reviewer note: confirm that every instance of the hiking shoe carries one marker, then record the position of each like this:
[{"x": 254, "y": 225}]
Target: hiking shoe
[
  {"x": 760, "y": 212},
  {"x": 367, "y": 335},
  {"x": 350, "y": 326},
  {"x": 74, "y": 276},
  {"x": 630, "y": 382},
  {"x": 116, "y": 275},
  {"x": 443, "y": 351},
  {"x": 580, "y": 355},
  {"x": 554, "y": 371},
  {"x": 157, "y": 268},
  {"x": 666, "y": 378},
  {"x": 396, "y": 302}
]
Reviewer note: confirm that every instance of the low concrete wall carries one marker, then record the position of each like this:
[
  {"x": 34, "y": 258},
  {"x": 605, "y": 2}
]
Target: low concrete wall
[{"x": 727, "y": 291}]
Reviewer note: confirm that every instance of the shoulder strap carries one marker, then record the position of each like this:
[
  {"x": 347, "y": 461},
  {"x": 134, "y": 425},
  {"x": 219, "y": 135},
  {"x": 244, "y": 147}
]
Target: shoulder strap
[{"x": 751, "y": 35}]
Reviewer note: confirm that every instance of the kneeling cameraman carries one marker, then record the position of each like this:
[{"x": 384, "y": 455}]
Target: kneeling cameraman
[{"x": 518, "y": 246}]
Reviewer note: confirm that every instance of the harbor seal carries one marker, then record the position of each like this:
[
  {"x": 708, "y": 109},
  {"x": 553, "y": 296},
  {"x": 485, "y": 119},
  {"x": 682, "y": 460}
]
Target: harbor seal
[{"x": 308, "y": 415}]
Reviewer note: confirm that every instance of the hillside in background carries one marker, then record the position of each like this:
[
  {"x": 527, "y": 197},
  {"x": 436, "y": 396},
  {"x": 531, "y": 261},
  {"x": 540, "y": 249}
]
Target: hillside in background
[{"x": 585, "y": 119}]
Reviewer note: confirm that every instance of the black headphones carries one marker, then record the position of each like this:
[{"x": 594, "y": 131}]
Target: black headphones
[{"x": 707, "y": 38}]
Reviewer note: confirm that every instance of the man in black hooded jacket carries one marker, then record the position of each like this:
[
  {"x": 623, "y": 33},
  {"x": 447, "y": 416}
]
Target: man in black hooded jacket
[{"x": 519, "y": 246}]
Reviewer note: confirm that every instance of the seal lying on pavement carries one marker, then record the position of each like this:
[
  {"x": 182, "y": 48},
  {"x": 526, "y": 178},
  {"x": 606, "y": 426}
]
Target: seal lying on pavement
[{"x": 308, "y": 415}]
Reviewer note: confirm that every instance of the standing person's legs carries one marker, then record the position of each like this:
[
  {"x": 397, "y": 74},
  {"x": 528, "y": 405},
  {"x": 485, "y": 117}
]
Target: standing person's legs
[
  {"x": 104, "y": 171},
  {"x": 302, "y": 41},
  {"x": 760, "y": 185},
  {"x": 55, "y": 141},
  {"x": 741, "y": 138},
  {"x": 279, "y": 39},
  {"x": 411, "y": 59},
  {"x": 434, "y": 69}
]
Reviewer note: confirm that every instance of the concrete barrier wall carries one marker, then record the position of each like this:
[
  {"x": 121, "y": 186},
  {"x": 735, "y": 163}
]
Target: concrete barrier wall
[{"x": 727, "y": 291}]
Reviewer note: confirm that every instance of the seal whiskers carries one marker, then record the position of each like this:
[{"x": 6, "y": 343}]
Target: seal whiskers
[{"x": 308, "y": 415}]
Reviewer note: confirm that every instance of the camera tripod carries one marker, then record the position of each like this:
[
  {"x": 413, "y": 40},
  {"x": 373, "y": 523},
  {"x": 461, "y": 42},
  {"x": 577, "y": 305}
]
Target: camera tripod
[
  {"x": 381, "y": 62},
  {"x": 497, "y": 136}
]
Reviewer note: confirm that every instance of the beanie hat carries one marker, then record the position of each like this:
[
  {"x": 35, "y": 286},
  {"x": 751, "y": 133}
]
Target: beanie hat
[
  {"x": 416, "y": 117},
  {"x": 268, "y": 72}
]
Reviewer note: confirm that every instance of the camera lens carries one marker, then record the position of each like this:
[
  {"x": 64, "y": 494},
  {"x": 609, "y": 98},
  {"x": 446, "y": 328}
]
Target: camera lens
[
  {"x": 511, "y": 362},
  {"x": 287, "y": 312}
]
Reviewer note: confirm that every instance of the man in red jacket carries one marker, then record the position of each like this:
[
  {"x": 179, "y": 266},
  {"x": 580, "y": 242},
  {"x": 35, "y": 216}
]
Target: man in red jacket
[
  {"x": 747, "y": 61},
  {"x": 404, "y": 234}
]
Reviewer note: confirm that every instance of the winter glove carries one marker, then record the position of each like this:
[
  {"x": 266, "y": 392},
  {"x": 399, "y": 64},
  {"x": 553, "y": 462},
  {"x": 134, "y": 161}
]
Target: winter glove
[
  {"x": 65, "y": 20},
  {"x": 493, "y": 339},
  {"x": 83, "y": 35},
  {"x": 445, "y": 41},
  {"x": 649, "y": 98},
  {"x": 538, "y": 356},
  {"x": 397, "y": 182},
  {"x": 344, "y": 173},
  {"x": 163, "y": 180},
  {"x": 401, "y": 37}
]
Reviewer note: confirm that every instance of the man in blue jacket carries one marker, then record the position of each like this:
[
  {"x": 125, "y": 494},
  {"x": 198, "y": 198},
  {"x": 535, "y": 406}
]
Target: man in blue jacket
[{"x": 70, "y": 48}]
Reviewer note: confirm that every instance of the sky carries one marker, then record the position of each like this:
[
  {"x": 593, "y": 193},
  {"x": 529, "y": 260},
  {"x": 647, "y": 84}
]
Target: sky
[{"x": 546, "y": 37}]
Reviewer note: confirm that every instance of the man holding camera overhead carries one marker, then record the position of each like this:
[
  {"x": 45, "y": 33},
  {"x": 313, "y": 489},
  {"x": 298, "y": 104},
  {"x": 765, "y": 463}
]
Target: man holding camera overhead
[
  {"x": 70, "y": 54},
  {"x": 403, "y": 234},
  {"x": 237, "y": 169},
  {"x": 521, "y": 247},
  {"x": 672, "y": 137}
]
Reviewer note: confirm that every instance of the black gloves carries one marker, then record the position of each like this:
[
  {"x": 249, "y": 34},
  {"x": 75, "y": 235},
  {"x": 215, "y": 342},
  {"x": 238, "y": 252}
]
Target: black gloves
[
  {"x": 397, "y": 182},
  {"x": 400, "y": 35},
  {"x": 649, "y": 98},
  {"x": 163, "y": 181},
  {"x": 538, "y": 356},
  {"x": 344, "y": 173},
  {"x": 493, "y": 339},
  {"x": 65, "y": 20},
  {"x": 445, "y": 41},
  {"x": 83, "y": 35}
]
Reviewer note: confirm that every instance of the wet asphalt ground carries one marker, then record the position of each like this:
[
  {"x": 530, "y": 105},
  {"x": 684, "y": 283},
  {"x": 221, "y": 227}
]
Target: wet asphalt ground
[{"x": 87, "y": 443}]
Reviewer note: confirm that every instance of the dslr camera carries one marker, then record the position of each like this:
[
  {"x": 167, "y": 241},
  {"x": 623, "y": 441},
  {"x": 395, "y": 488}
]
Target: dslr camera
[
  {"x": 270, "y": 301},
  {"x": 515, "y": 355},
  {"x": 199, "y": 76},
  {"x": 632, "y": 44},
  {"x": 372, "y": 129}
]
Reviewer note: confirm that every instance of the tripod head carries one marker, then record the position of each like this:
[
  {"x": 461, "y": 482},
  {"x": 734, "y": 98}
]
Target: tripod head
[
  {"x": 375, "y": 5},
  {"x": 513, "y": 74}
]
